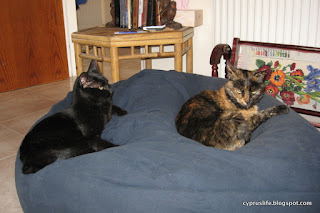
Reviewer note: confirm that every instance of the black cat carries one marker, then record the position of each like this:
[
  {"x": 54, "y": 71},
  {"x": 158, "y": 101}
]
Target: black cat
[{"x": 75, "y": 130}]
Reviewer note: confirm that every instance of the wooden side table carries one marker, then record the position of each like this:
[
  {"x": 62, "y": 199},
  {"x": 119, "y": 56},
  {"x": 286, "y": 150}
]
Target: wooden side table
[{"x": 101, "y": 38}]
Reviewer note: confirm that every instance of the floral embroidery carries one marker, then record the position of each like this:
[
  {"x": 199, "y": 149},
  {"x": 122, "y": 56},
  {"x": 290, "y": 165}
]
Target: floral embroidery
[
  {"x": 290, "y": 83},
  {"x": 278, "y": 78},
  {"x": 298, "y": 72},
  {"x": 272, "y": 90},
  {"x": 287, "y": 97},
  {"x": 267, "y": 69},
  {"x": 303, "y": 99},
  {"x": 313, "y": 83}
]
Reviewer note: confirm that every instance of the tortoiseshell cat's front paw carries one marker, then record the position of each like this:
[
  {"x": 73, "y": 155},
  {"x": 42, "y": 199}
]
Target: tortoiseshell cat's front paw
[
  {"x": 278, "y": 110},
  {"x": 283, "y": 109}
]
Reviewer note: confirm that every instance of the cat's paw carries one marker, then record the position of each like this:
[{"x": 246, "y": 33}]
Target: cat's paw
[
  {"x": 281, "y": 109},
  {"x": 118, "y": 111},
  {"x": 28, "y": 169},
  {"x": 98, "y": 144},
  {"x": 122, "y": 112}
]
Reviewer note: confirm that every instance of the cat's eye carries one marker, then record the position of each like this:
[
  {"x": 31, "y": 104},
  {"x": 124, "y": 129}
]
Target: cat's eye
[
  {"x": 100, "y": 88},
  {"x": 255, "y": 92}
]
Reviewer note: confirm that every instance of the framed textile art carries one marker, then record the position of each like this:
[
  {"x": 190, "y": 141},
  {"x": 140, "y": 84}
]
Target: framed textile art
[{"x": 293, "y": 72}]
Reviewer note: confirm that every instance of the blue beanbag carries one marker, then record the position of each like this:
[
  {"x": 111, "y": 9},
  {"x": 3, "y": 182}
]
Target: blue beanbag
[{"x": 157, "y": 170}]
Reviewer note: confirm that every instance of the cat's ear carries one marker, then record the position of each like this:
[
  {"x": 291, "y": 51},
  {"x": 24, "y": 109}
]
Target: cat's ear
[
  {"x": 83, "y": 80},
  {"x": 93, "y": 67},
  {"x": 232, "y": 72}
]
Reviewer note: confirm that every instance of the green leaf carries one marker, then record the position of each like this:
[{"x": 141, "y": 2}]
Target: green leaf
[
  {"x": 289, "y": 87},
  {"x": 316, "y": 94},
  {"x": 299, "y": 77},
  {"x": 260, "y": 63},
  {"x": 270, "y": 64},
  {"x": 297, "y": 89}
]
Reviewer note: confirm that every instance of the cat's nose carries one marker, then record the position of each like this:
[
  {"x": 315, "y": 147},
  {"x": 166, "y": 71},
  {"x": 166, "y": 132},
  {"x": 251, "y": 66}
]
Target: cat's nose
[{"x": 246, "y": 98}]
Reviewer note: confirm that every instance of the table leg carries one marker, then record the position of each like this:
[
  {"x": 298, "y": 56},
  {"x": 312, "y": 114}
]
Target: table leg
[
  {"x": 114, "y": 64},
  {"x": 189, "y": 57},
  {"x": 148, "y": 61},
  {"x": 178, "y": 57},
  {"x": 100, "y": 63},
  {"x": 77, "y": 52}
]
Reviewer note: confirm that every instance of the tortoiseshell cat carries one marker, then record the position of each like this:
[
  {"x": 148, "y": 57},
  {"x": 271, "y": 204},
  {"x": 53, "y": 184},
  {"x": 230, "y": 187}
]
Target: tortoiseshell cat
[
  {"x": 226, "y": 118},
  {"x": 75, "y": 130}
]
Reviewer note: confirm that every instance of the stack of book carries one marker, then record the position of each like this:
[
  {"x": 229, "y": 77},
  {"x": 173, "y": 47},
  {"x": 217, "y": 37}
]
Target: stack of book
[{"x": 134, "y": 14}]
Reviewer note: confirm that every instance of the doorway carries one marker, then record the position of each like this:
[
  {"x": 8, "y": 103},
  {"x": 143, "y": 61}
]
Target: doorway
[{"x": 33, "y": 44}]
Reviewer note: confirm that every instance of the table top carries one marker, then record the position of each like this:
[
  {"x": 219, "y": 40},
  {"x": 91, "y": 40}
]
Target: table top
[{"x": 102, "y": 33}]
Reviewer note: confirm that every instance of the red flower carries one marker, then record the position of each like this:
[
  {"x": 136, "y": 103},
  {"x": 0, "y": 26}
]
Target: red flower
[
  {"x": 272, "y": 90},
  {"x": 293, "y": 66},
  {"x": 287, "y": 97},
  {"x": 298, "y": 72},
  {"x": 276, "y": 64},
  {"x": 268, "y": 71}
]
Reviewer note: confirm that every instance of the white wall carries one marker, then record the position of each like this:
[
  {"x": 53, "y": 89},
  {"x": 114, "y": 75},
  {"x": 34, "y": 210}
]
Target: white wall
[
  {"x": 202, "y": 40},
  {"x": 93, "y": 13}
]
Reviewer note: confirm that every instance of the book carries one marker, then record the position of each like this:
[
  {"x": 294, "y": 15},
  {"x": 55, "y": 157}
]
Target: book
[
  {"x": 140, "y": 13},
  {"x": 135, "y": 14},
  {"x": 151, "y": 16},
  {"x": 129, "y": 14},
  {"x": 117, "y": 12},
  {"x": 144, "y": 12},
  {"x": 122, "y": 4}
]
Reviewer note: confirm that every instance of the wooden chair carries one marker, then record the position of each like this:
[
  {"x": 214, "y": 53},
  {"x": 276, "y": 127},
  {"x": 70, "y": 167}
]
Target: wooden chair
[{"x": 293, "y": 71}]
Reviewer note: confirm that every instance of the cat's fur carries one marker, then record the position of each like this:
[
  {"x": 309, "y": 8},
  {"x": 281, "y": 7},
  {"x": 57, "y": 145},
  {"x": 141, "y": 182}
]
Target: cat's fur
[
  {"x": 75, "y": 130},
  {"x": 226, "y": 118}
]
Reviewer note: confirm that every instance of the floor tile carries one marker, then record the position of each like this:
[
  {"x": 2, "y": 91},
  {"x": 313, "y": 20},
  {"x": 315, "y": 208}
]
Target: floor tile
[
  {"x": 21, "y": 105},
  {"x": 8, "y": 194},
  {"x": 23, "y": 124},
  {"x": 9, "y": 143}
]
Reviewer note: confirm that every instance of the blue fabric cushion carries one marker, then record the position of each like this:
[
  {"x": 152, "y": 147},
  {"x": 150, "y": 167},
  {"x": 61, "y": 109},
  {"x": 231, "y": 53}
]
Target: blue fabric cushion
[{"x": 157, "y": 170}]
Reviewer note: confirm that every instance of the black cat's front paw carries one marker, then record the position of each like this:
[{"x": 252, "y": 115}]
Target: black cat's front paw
[
  {"x": 98, "y": 144},
  {"x": 28, "y": 169},
  {"x": 118, "y": 111}
]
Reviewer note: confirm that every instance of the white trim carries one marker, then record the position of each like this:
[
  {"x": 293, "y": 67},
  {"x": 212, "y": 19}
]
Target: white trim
[{"x": 70, "y": 26}]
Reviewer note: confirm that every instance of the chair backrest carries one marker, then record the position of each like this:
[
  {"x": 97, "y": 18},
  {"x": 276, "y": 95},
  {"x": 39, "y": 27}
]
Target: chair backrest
[{"x": 293, "y": 71}]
